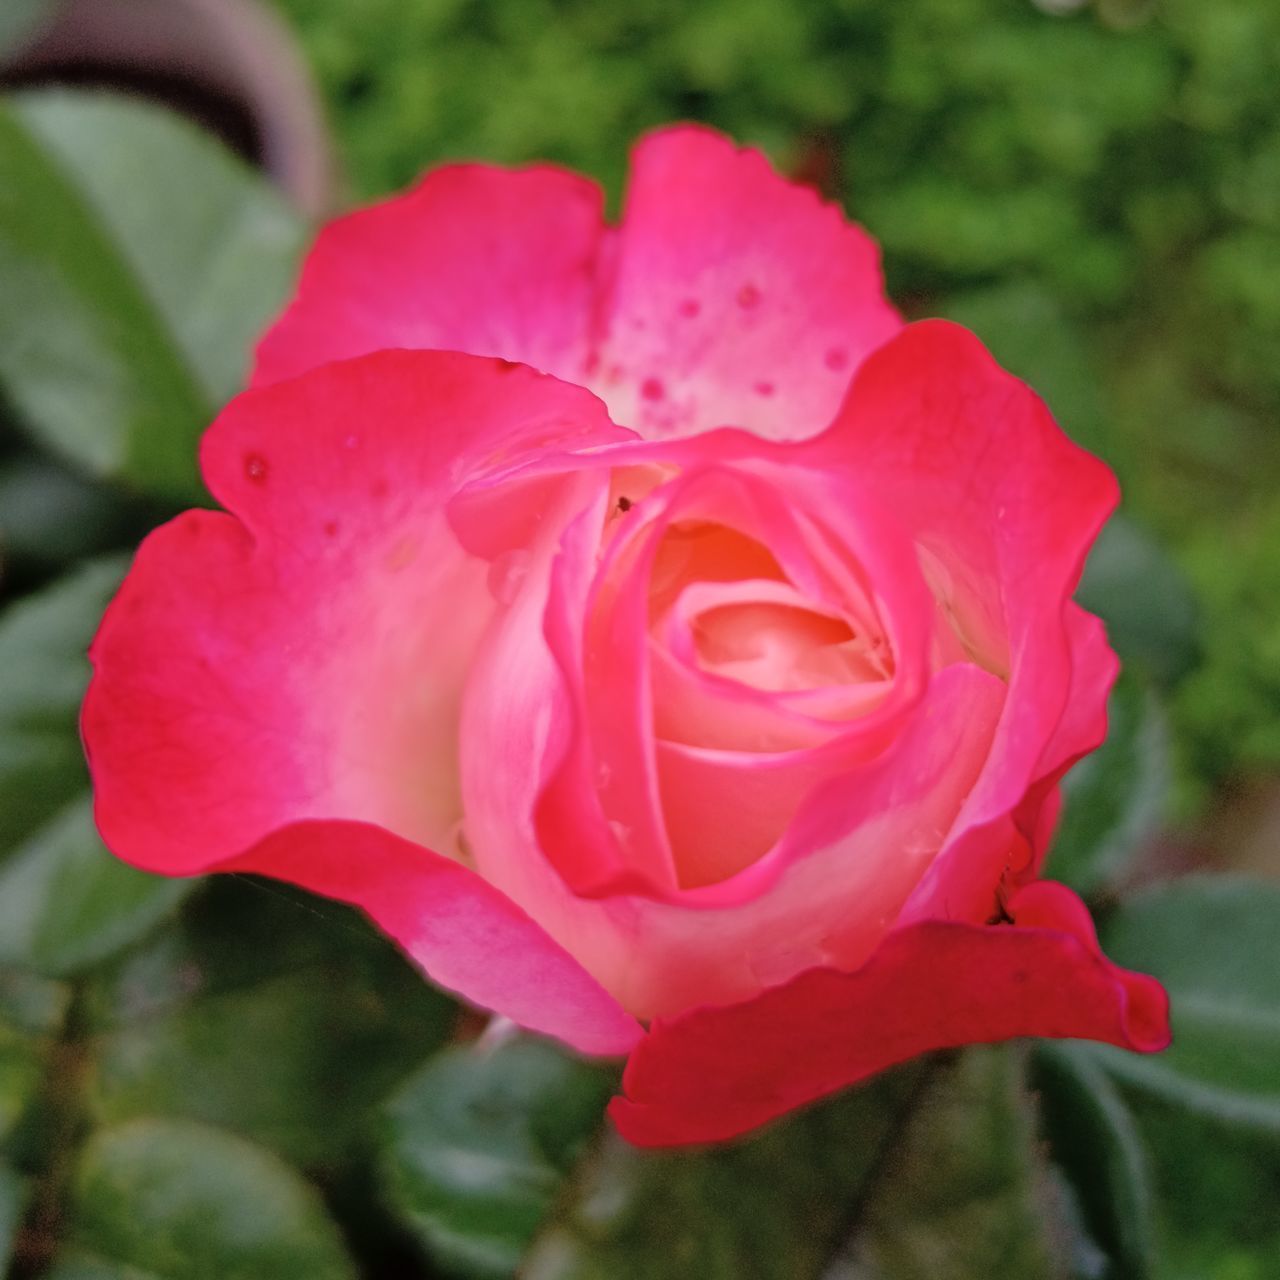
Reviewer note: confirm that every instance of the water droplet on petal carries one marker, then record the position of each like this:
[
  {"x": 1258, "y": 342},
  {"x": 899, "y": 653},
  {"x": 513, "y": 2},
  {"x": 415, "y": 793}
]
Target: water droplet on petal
[
  {"x": 748, "y": 297},
  {"x": 652, "y": 389},
  {"x": 690, "y": 308},
  {"x": 765, "y": 389},
  {"x": 255, "y": 468}
]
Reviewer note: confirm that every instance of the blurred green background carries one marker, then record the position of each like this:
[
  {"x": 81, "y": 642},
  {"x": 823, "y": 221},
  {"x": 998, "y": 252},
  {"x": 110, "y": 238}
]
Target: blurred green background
[{"x": 231, "y": 1080}]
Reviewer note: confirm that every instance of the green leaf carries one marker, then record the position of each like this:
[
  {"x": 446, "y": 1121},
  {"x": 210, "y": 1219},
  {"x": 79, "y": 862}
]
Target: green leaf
[
  {"x": 962, "y": 1192},
  {"x": 773, "y": 1206},
  {"x": 13, "y": 1198},
  {"x": 1093, "y": 1140},
  {"x": 1215, "y": 944},
  {"x": 50, "y": 517},
  {"x": 179, "y": 1201},
  {"x": 32, "y": 1004},
  {"x": 1218, "y": 1196},
  {"x": 1141, "y": 595},
  {"x": 140, "y": 261},
  {"x": 1116, "y": 798},
  {"x": 32, "y": 1010},
  {"x": 65, "y": 902},
  {"x": 295, "y": 1018},
  {"x": 43, "y": 643},
  {"x": 22, "y": 1059},
  {"x": 480, "y": 1142}
]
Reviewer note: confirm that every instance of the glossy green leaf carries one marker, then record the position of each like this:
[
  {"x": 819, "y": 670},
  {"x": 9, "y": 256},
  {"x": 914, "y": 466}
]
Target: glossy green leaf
[
  {"x": 140, "y": 261},
  {"x": 1137, "y": 590},
  {"x": 264, "y": 1011},
  {"x": 963, "y": 1192},
  {"x": 773, "y": 1206},
  {"x": 1094, "y": 1141},
  {"x": 479, "y": 1144},
  {"x": 1215, "y": 944},
  {"x": 168, "y": 1200},
  {"x": 65, "y": 902},
  {"x": 1116, "y": 798}
]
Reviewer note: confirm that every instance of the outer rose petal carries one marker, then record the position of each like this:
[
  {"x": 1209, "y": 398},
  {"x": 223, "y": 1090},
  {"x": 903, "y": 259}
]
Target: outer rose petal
[
  {"x": 1018, "y": 840},
  {"x": 306, "y": 661},
  {"x": 1094, "y": 667},
  {"x": 1005, "y": 507},
  {"x": 728, "y": 295},
  {"x": 475, "y": 259},
  {"x": 738, "y": 299},
  {"x": 464, "y": 933},
  {"x": 715, "y": 1073}
]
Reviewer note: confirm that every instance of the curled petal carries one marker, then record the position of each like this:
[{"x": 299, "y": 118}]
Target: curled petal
[
  {"x": 718, "y": 1072},
  {"x": 1004, "y": 508}
]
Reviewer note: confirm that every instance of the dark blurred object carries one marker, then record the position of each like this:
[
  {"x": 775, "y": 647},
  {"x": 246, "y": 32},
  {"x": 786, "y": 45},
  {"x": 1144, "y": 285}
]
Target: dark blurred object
[{"x": 229, "y": 64}]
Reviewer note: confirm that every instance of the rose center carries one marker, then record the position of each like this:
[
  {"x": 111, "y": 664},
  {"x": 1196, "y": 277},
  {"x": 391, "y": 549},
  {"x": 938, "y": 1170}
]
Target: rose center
[{"x": 779, "y": 647}]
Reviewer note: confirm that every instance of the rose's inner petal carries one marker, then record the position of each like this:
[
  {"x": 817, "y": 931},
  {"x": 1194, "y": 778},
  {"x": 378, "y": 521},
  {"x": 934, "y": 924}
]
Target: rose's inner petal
[
  {"x": 766, "y": 663},
  {"x": 701, "y": 551},
  {"x": 782, "y": 645}
]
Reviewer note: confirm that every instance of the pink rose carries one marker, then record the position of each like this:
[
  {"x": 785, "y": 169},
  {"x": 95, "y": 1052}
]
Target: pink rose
[{"x": 740, "y": 720}]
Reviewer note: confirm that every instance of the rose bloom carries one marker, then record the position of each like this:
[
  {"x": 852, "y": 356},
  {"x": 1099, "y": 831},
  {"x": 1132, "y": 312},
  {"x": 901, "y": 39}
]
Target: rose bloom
[{"x": 697, "y": 687}]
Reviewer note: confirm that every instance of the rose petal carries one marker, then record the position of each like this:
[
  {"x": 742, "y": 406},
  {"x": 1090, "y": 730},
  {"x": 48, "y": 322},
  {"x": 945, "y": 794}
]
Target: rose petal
[
  {"x": 715, "y": 1073},
  {"x": 307, "y": 659},
  {"x": 728, "y": 295},
  {"x": 738, "y": 298},
  {"x": 462, "y": 932},
  {"x": 1005, "y": 507},
  {"x": 1094, "y": 667},
  {"x": 1015, "y": 844},
  {"x": 822, "y": 897},
  {"x": 474, "y": 258}
]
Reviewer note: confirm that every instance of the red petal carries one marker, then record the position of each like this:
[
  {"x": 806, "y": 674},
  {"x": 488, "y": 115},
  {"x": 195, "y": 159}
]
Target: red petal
[{"x": 715, "y": 1073}]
